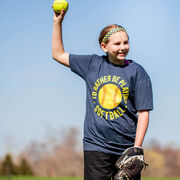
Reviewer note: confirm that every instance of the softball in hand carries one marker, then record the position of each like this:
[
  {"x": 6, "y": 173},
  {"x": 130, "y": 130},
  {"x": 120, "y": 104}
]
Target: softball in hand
[{"x": 58, "y": 5}]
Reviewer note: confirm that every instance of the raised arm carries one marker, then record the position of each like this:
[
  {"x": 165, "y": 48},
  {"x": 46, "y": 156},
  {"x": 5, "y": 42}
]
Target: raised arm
[
  {"x": 58, "y": 52},
  {"x": 142, "y": 125}
]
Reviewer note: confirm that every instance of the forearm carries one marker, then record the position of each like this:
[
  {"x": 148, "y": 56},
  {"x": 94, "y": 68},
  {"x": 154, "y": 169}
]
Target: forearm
[
  {"x": 142, "y": 125},
  {"x": 58, "y": 52},
  {"x": 57, "y": 42}
]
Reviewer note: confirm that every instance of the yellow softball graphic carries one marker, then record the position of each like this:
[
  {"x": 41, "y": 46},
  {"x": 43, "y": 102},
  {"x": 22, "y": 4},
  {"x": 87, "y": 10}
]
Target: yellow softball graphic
[{"x": 109, "y": 96}]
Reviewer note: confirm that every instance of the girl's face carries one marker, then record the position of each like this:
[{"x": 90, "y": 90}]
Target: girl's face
[{"x": 117, "y": 48}]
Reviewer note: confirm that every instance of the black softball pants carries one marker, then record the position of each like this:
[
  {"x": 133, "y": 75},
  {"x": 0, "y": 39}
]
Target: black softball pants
[{"x": 100, "y": 166}]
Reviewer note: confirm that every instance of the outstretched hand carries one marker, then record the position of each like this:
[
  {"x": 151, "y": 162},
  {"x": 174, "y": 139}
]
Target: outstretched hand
[{"x": 58, "y": 17}]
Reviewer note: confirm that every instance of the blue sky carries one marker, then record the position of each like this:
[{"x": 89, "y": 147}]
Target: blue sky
[{"x": 38, "y": 94}]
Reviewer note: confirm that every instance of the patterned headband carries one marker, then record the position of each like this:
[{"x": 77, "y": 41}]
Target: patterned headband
[{"x": 106, "y": 37}]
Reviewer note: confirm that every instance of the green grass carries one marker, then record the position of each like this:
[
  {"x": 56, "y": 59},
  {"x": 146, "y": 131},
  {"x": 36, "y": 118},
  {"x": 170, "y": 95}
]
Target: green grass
[
  {"x": 37, "y": 178},
  {"x": 66, "y": 178},
  {"x": 161, "y": 178}
]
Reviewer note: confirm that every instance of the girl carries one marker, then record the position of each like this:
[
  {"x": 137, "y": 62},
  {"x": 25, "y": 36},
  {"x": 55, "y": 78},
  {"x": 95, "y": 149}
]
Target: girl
[{"x": 117, "y": 90}]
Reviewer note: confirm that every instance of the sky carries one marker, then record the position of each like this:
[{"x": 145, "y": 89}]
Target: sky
[{"x": 38, "y": 95}]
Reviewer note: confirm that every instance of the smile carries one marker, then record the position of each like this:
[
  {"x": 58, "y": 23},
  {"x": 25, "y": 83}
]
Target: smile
[{"x": 121, "y": 54}]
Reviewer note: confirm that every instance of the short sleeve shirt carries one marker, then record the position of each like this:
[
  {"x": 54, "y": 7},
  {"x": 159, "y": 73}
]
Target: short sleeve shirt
[{"x": 114, "y": 95}]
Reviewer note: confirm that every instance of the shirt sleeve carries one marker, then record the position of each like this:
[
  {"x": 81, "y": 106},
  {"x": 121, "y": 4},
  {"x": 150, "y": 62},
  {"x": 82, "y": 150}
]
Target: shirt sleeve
[
  {"x": 80, "y": 64},
  {"x": 143, "y": 92}
]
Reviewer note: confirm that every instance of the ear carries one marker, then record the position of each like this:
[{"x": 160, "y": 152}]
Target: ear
[{"x": 103, "y": 47}]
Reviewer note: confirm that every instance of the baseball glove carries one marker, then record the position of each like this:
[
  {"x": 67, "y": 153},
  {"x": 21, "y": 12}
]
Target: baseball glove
[{"x": 130, "y": 163}]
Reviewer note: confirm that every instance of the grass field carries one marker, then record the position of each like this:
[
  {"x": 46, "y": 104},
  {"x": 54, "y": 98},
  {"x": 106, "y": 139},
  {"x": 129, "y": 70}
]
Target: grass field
[
  {"x": 160, "y": 178},
  {"x": 66, "y": 178},
  {"x": 37, "y": 178}
]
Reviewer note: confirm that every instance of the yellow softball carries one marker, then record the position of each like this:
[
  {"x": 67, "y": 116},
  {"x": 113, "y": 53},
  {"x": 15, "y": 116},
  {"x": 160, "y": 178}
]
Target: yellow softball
[
  {"x": 109, "y": 96},
  {"x": 58, "y": 5}
]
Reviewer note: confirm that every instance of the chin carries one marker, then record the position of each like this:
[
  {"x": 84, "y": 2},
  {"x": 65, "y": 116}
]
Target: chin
[{"x": 121, "y": 58}]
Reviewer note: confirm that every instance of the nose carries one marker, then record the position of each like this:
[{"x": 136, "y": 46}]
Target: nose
[{"x": 122, "y": 47}]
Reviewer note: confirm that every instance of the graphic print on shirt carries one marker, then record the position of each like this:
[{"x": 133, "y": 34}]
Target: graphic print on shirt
[{"x": 110, "y": 95}]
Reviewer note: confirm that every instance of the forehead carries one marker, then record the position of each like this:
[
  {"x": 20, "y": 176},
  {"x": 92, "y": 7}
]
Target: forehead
[{"x": 119, "y": 36}]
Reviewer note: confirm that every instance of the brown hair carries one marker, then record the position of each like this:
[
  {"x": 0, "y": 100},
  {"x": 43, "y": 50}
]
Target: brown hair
[{"x": 106, "y": 30}]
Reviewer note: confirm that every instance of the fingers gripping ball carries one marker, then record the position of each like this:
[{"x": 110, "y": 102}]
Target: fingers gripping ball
[{"x": 58, "y": 5}]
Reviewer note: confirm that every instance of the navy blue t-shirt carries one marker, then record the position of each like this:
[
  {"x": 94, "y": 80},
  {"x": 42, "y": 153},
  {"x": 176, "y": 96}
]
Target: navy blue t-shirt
[{"x": 114, "y": 95}]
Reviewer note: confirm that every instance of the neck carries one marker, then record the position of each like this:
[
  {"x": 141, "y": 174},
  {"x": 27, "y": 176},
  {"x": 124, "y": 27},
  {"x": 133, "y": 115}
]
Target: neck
[{"x": 117, "y": 62}]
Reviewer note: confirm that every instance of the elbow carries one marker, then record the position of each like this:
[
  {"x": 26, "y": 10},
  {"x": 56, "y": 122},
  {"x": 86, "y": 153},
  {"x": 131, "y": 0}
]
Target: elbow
[
  {"x": 59, "y": 57},
  {"x": 55, "y": 55},
  {"x": 62, "y": 58}
]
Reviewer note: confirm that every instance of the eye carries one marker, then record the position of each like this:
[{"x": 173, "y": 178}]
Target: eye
[
  {"x": 126, "y": 42},
  {"x": 118, "y": 43}
]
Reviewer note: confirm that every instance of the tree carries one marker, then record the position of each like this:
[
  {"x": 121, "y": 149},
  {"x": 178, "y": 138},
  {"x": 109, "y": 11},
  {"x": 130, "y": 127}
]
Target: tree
[
  {"x": 8, "y": 167},
  {"x": 25, "y": 168},
  {"x": 58, "y": 155},
  {"x": 156, "y": 164}
]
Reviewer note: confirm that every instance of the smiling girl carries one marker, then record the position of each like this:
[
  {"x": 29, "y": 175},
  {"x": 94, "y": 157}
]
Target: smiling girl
[{"x": 118, "y": 101}]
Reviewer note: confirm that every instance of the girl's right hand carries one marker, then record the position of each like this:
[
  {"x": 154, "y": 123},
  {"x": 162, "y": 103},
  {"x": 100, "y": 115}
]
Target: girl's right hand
[{"x": 58, "y": 17}]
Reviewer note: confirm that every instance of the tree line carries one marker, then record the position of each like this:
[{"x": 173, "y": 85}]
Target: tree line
[
  {"x": 8, "y": 167},
  {"x": 60, "y": 154},
  {"x": 164, "y": 161}
]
